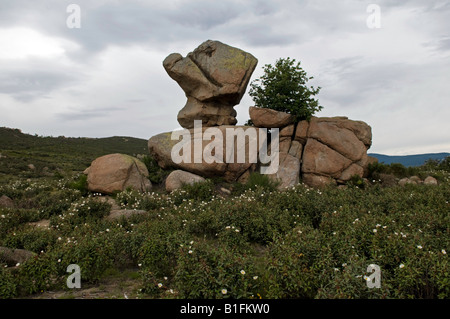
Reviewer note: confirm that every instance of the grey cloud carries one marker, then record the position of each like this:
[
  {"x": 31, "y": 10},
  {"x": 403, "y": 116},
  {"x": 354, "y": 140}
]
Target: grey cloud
[
  {"x": 82, "y": 114},
  {"x": 26, "y": 85}
]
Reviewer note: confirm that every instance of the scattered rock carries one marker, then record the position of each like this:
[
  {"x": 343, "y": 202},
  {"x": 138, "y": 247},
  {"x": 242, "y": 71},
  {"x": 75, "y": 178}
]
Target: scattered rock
[
  {"x": 268, "y": 118},
  {"x": 405, "y": 181},
  {"x": 388, "y": 180},
  {"x": 12, "y": 256},
  {"x": 124, "y": 213},
  {"x": 109, "y": 200},
  {"x": 225, "y": 190},
  {"x": 31, "y": 167},
  {"x": 6, "y": 202},
  {"x": 178, "y": 178},
  {"x": 116, "y": 172},
  {"x": 214, "y": 78},
  {"x": 416, "y": 179},
  {"x": 44, "y": 223},
  {"x": 430, "y": 180}
]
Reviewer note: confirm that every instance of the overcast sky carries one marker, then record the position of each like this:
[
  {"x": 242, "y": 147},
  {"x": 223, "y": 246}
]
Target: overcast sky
[{"x": 106, "y": 78}]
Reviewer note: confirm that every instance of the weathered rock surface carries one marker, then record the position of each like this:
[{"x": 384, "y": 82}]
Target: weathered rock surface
[
  {"x": 430, "y": 180},
  {"x": 6, "y": 202},
  {"x": 117, "y": 214},
  {"x": 178, "y": 178},
  {"x": 288, "y": 173},
  {"x": 214, "y": 77},
  {"x": 12, "y": 256},
  {"x": 268, "y": 118},
  {"x": 334, "y": 148},
  {"x": 160, "y": 147},
  {"x": 116, "y": 172}
]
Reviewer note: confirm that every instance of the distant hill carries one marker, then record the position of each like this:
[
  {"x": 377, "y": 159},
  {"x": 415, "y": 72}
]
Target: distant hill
[
  {"x": 17, "y": 150},
  {"x": 409, "y": 160}
]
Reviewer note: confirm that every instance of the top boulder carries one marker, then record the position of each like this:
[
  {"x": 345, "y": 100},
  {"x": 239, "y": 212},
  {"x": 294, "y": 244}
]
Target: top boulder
[{"x": 214, "y": 77}]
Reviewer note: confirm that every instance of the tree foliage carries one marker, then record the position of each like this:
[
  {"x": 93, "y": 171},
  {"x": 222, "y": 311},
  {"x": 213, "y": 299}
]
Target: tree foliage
[{"x": 283, "y": 87}]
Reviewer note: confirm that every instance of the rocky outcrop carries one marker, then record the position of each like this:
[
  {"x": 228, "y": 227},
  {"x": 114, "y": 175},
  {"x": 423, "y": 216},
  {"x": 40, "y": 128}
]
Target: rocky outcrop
[
  {"x": 116, "y": 172},
  {"x": 214, "y": 78},
  {"x": 178, "y": 178}
]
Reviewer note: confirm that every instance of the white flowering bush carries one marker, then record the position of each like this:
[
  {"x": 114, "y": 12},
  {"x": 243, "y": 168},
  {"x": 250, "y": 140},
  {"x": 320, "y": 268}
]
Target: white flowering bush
[{"x": 197, "y": 242}]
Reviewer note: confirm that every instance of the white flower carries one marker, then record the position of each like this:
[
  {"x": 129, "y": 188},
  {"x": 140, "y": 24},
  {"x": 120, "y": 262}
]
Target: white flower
[
  {"x": 190, "y": 251},
  {"x": 242, "y": 272},
  {"x": 18, "y": 264},
  {"x": 139, "y": 265},
  {"x": 59, "y": 260},
  {"x": 237, "y": 230},
  {"x": 374, "y": 230},
  {"x": 401, "y": 266},
  {"x": 224, "y": 291},
  {"x": 160, "y": 285},
  {"x": 191, "y": 242},
  {"x": 3, "y": 216},
  {"x": 444, "y": 252},
  {"x": 419, "y": 246},
  {"x": 59, "y": 238},
  {"x": 165, "y": 278},
  {"x": 344, "y": 264},
  {"x": 255, "y": 277}
]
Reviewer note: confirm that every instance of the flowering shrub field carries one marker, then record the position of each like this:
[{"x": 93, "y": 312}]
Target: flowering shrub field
[{"x": 253, "y": 243}]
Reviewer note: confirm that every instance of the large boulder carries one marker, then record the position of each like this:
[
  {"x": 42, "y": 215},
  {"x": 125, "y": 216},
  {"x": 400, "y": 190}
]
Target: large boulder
[
  {"x": 214, "y": 78},
  {"x": 335, "y": 149},
  {"x": 178, "y": 178},
  {"x": 116, "y": 172},
  {"x": 160, "y": 147},
  {"x": 268, "y": 118}
]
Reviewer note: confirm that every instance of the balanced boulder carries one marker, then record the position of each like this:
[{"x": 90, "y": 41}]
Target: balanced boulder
[
  {"x": 116, "y": 172},
  {"x": 268, "y": 118},
  {"x": 214, "y": 78}
]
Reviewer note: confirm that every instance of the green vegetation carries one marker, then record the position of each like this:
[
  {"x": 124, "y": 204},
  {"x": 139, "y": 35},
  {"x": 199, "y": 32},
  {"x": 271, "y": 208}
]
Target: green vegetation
[
  {"x": 57, "y": 156},
  {"x": 256, "y": 242},
  {"x": 283, "y": 87}
]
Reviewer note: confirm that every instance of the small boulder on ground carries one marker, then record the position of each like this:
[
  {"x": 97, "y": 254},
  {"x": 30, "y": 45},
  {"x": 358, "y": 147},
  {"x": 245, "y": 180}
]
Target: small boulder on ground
[
  {"x": 430, "y": 180},
  {"x": 6, "y": 202},
  {"x": 117, "y": 172},
  {"x": 178, "y": 178},
  {"x": 125, "y": 213},
  {"x": 12, "y": 256}
]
